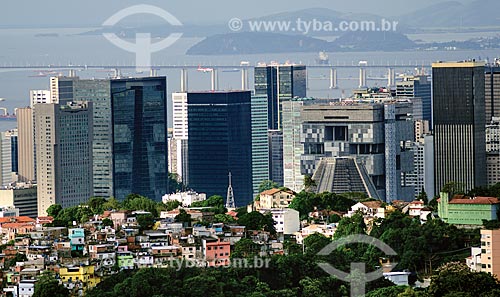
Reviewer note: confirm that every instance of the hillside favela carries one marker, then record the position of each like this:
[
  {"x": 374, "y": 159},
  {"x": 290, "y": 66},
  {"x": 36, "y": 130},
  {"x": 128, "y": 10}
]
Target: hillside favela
[{"x": 250, "y": 148}]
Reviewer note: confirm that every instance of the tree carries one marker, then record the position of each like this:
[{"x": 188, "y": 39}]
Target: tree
[
  {"x": 215, "y": 203},
  {"x": 245, "y": 248},
  {"x": 267, "y": 185},
  {"x": 256, "y": 221},
  {"x": 138, "y": 202},
  {"x": 223, "y": 218},
  {"x": 174, "y": 185},
  {"x": 315, "y": 242},
  {"x": 172, "y": 204},
  {"x": 107, "y": 222},
  {"x": 423, "y": 196},
  {"x": 350, "y": 225},
  {"x": 96, "y": 204},
  {"x": 145, "y": 221},
  {"x": 334, "y": 218},
  {"x": 111, "y": 204},
  {"x": 19, "y": 257},
  {"x": 309, "y": 182},
  {"x": 48, "y": 286},
  {"x": 183, "y": 217},
  {"x": 54, "y": 210},
  {"x": 454, "y": 278}
]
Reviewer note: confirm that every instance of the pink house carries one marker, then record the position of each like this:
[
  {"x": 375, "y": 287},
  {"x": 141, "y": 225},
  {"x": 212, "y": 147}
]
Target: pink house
[{"x": 216, "y": 252}]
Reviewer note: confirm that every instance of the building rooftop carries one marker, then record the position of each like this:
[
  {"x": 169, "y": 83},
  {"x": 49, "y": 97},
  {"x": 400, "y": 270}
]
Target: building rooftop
[
  {"x": 476, "y": 200},
  {"x": 472, "y": 63}
]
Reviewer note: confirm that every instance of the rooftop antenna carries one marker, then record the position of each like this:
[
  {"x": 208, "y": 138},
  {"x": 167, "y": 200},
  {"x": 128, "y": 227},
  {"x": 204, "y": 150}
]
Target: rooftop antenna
[{"x": 230, "y": 195}]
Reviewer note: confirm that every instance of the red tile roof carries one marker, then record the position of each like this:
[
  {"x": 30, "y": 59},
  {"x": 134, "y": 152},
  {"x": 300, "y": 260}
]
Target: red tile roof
[
  {"x": 372, "y": 204},
  {"x": 20, "y": 219},
  {"x": 270, "y": 192},
  {"x": 476, "y": 200}
]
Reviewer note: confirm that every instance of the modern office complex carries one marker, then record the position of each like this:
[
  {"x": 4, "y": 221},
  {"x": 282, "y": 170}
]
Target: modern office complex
[
  {"x": 374, "y": 131},
  {"x": 226, "y": 133},
  {"x": 279, "y": 83},
  {"x": 139, "y": 121},
  {"x": 99, "y": 93},
  {"x": 459, "y": 124},
  {"x": 292, "y": 146},
  {"x": 63, "y": 140},
  {"x": 125, "y": 111},
  {"x": 418, "y": 88}
]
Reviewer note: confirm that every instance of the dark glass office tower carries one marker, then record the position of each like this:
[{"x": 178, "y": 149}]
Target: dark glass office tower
[
  {"x": 276, "y": 156},
  {"x": 492, "y": 92},
  {"x": 139, "y": 117},
  {"x": 222, "y": 138},
  {"x": 459, "y": 124},
  {"x": 280, "y": 83}
]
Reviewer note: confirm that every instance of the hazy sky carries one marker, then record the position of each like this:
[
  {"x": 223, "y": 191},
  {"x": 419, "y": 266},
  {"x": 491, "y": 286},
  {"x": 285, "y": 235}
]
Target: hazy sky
[{"x": 94, "y": 12}]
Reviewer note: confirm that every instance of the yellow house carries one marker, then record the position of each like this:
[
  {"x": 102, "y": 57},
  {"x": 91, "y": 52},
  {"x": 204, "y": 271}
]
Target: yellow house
[
  {"x": 275, "y": 198},
  {"x": 80, "y": 277}
]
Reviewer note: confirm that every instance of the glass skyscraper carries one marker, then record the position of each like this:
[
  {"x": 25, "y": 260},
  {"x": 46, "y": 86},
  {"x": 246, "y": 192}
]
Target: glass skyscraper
[
  {"x": 98, "y": 91},
  {"x": 139, "y": 119},
  {"x": 279, "y": 83},
  {"x": 459, "y": 124},
  {"x": 227, "y": 132}
]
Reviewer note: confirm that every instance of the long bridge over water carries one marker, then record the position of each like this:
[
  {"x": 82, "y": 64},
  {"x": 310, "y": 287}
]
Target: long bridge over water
[{"x": 243, "y": 68}]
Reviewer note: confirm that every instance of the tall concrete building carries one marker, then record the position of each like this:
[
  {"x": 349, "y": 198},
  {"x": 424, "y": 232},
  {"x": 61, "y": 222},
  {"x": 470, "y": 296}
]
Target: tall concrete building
[
  {"x": 492, "y": 91},
  {"x": 292, "y": 146},
  {"x": 493, "y": 151},
  {"x": 5, "y": 159},
  {"x": 279, "y": 83},
  {"x": 374, "y": 133},
  {"x": 178, "y": 143},
  {"x": 459, "y": 124},
  {"x": 63, "y": 140},
  {"x": 418, "y": 88},
  {"x": 98, "y": 91},
  {"x": 226, "y": 133},
  {"x": 40, "y": 96},
  {"x": 422, "y": 176},
  {"x": 490, "y": 252},
  {"x": 139, "y": 121},
  {"x": 26, "y": 146},
  {"x": 22, "y": 196},
  {"x": 14, "y": 139},
  {"x": 110, "y": 130}
]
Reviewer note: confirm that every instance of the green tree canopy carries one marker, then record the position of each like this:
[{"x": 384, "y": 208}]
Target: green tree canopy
[
  {"x": 257, "y": 221},
  {"x": 48, "y": 286},
  {"x": 138, "y": 202},
  {"x": 54, "y": 210},
  {"x": 267, "y": 185}
]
